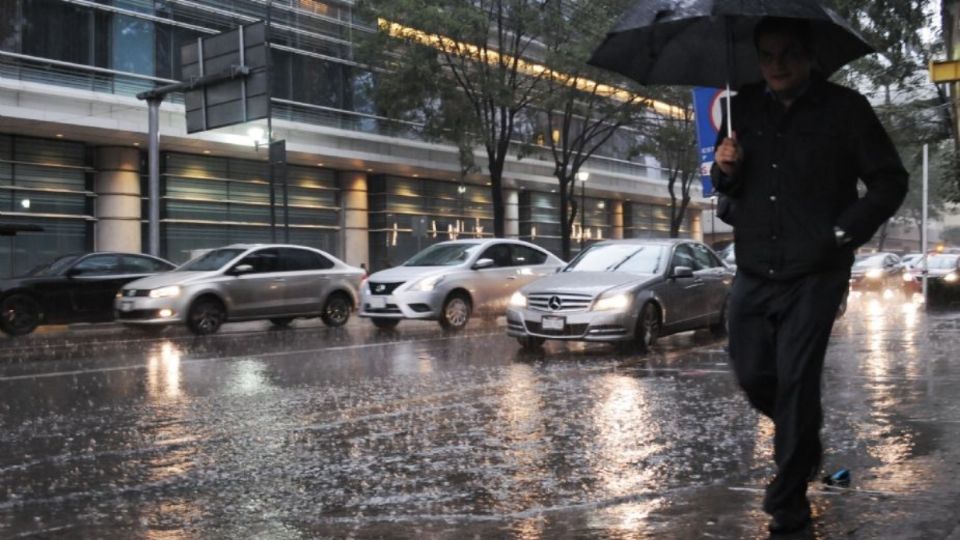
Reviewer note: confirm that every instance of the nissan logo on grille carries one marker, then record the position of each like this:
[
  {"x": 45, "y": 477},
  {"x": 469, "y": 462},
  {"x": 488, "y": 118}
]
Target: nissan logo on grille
[
  {"x": 555, "y": 303},
  {"x": 380, "y": 287}
]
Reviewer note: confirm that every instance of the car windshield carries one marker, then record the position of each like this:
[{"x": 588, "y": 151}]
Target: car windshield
[
  {"x": 943, "y": 262},
  {"x": 54, "y": 267},
  {"x": 870, "y": 261},
  {"x": 633, "y": 258},
  {"x": 444, "y": 255},
  {"x": 211, "y": 260}
]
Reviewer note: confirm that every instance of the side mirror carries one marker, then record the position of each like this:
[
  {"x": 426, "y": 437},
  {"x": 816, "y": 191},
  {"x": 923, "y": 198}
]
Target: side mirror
[
  {"x": 682, "y": 272},
  {"x": 241, "y": 269},
  {"x": 483, "y": 263}
]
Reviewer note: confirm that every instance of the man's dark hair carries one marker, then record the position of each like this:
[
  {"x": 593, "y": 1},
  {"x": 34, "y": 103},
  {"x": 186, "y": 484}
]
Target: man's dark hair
[{"x": 798, "y": 28}]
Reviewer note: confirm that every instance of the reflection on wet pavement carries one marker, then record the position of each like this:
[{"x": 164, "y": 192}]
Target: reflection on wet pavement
[{"x": 352, "y": 432}]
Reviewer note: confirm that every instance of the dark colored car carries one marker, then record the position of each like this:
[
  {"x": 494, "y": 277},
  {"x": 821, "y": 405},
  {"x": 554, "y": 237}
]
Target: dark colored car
[
  {"x": 877, "y": 272},
  {"x": 943, "y": 278},
  {"x": 71, "y": 288}
]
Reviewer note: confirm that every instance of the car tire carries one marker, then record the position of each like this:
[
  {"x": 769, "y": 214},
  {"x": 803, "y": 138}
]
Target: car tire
[
  {"x": 281, "y": 322},
  {"x": 456, "y": 312},
  {"x": 336, "y": 312},
  {"x": 720, "y": 328},
  {"x": 205, "y": 316},
  {"x": 385, "y": 324},
  {"x": 648, "y": 327},
  {"x": 531, "y": 343},
  {"x": 20, "y": 314}
]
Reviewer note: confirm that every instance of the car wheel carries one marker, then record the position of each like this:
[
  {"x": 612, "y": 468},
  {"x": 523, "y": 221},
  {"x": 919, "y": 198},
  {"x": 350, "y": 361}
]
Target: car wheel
[
  {"x": 648, "y": 327},
  {"x": 281, "y": 322},
  {"x": 385, "y": 324},
  {"x": 456, "y": 312},
  {"x": 721, "y": 327},
  {"x": 205, "y": 316},
  {"x": 19, "y": 314},
  {"x": 531, "y": 343},
  {"x": 337, "y": 311}
]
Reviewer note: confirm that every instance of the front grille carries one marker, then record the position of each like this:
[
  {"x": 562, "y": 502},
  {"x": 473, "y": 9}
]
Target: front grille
[
  {"x": 390, "y": 309},
  {"x": 568, "y": 303},
  {"x": 138, "y": 315},
  {"x": 568, "y": 330},
  {"x": 384, "y": 288}
]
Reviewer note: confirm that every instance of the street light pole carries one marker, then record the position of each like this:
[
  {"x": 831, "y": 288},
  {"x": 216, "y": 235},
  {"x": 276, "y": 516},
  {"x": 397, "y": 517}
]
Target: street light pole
[{"x": 582, "y": 177}]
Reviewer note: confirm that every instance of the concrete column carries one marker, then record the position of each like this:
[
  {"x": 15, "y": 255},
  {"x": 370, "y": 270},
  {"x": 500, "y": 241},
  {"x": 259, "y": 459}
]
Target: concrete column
[
  {"x": 117, "y": 184},
  {"x": 511, "y": 204},
  {"x": 617, "y": 209},
  {"x": 356, "y": 222}
]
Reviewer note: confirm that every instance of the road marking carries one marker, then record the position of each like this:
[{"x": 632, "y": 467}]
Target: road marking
[{"x": 256, "y": 356}]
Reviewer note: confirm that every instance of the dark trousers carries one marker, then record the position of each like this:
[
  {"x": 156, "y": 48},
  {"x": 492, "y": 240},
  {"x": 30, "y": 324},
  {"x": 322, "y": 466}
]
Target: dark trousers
[{"x": 778, "y": 337}]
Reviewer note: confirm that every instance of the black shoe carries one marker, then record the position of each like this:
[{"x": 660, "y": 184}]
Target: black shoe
[{"x": 788, "y": 526}]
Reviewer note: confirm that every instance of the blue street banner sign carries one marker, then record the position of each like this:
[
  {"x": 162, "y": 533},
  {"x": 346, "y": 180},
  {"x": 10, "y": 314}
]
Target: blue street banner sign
[{"x": 708, "y": 108}]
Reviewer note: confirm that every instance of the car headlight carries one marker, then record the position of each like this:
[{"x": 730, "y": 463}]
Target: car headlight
[
  {"x": 165, "y": 292},
  {"x": 615, "y": 302},
  {"x": 908, "y": 277},
  {"x": 427, "y": 284},
  {"x": 874, "y": 273},
  {"x": 518, "y": 300},
  {"x": 952, "y": 277}
]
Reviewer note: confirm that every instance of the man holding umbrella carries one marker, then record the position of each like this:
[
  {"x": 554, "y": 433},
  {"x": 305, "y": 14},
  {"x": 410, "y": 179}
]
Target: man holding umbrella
[
  {"x": 799, "y": 146},
  {"x": 790, "y": 163}
]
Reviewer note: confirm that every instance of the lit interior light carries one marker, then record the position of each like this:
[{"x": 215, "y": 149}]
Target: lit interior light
[
  {"x": 525, "y": 67},
  {"x": 25, "y": 203}
]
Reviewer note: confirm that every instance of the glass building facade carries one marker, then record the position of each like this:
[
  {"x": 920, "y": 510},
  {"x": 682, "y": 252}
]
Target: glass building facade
[
  {"x": 46, "y": 183},
  {"x": 209, "y": 202}
]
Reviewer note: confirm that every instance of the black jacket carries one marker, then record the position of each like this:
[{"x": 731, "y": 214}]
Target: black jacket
[{"x": 798, "y": 179}]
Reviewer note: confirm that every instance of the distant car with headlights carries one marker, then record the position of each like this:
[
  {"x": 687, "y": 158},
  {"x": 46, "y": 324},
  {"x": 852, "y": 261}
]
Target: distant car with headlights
[
  {"x": 451, "y": 281},
  {"x": 943, "y": 277},
  {"x": 72, "y": 288},
  {"x": 244, "y": 282},
  {"x": 877, "y": 273},
  {"x": 628, "y": 292}
]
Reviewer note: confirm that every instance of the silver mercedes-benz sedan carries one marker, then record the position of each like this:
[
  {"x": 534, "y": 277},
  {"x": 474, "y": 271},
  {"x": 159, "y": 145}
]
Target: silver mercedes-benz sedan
[
  {"x": 244, "y": 282},
  {"x": 625, "y": 291},
  {"x": 450, "y": 281}
]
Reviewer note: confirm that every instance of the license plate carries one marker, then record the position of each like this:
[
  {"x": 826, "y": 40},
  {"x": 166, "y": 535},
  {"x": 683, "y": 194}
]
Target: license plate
[
  {"x": 126, "y": 306},
  {"x": 377, "y": 302},
  {"x": 553, "y": 323}
]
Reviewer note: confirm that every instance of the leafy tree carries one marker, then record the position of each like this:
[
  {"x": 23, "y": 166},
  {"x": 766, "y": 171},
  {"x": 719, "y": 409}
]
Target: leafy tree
[
  {"x": 672, "y": 140},
  {"x": 583, "y": 107},
  {"x": 458, "y": 68}
]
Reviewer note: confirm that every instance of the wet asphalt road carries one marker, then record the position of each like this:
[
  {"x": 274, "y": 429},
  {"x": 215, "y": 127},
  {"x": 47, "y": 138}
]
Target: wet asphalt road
[{"x": 314, "y": 432}]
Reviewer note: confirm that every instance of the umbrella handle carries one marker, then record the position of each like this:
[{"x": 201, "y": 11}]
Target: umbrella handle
[{"x": 729, "y": 114}]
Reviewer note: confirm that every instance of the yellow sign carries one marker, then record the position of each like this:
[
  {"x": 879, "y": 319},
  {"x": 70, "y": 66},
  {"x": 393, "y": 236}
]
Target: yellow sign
[{"x": 945, "y": 71}]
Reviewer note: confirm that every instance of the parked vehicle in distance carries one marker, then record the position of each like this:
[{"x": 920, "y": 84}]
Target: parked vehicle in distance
[
  {"x": 910, "y": 260},
  {"x": 878, "y": 272},
  {"x": 451, "y": 281},
  {"x": 943, "y": 277},
  {"x": 628, "y": 292},
  {"x": 73, "y": 288},
  {"x": 244, "y": 282}
]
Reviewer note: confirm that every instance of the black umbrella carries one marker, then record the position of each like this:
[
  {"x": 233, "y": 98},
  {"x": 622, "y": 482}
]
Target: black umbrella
[{"x": 710, "y": 42}]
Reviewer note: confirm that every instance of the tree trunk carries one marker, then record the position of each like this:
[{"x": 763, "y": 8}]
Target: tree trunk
[
  {"x": 883, "y": 236},
  {"x": 496, "y": 193},
  {"x": 566, "y": 222}
]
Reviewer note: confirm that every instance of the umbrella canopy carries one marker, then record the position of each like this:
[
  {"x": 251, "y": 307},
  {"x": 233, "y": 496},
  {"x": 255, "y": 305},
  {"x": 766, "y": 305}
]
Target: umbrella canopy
[{"x": 710, "y": 42}]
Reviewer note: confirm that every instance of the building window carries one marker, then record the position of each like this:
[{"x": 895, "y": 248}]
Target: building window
[
  {"x": 46, "y": 183},
  {"x": 409, "y": 214},
  {"x": 210, "y": 202}
]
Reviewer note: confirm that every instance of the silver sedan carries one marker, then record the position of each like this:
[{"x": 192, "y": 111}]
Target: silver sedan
[
  {"x": 450, "y": 281},
  {"x": 244, "y": 282},
  {"x": 625, "y": 291}
]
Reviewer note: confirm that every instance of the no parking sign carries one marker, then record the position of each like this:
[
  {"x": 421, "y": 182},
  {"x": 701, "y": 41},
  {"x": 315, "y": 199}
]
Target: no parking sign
[{"x": 708, "y": 107}]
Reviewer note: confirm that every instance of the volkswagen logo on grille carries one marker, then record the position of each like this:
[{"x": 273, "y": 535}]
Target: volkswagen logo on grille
[
  {"x": 555, "y": 303},
  {"x": 380, "y": 287}
]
